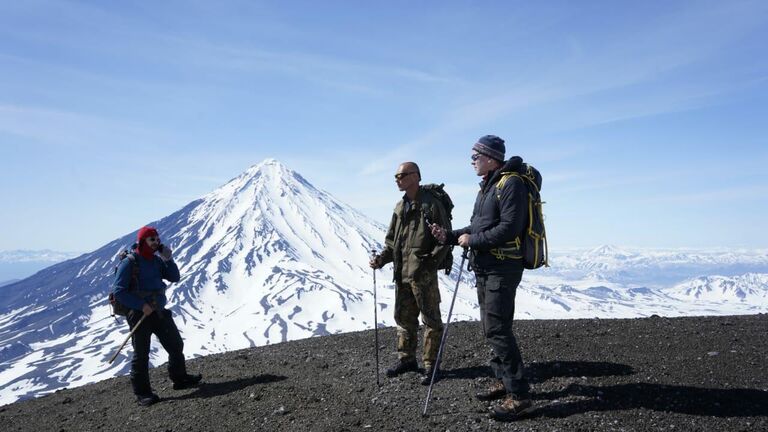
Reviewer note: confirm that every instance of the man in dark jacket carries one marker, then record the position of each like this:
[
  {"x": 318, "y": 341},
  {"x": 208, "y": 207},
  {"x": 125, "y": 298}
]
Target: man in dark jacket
[
  {"x": 494, "y": 237},
  {"x": 139, "y": 286},
  {"x": 415, "y": 254}
]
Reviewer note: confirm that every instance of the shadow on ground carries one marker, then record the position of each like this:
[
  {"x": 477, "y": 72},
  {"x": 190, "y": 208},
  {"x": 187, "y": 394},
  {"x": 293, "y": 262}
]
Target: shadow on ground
[
  {"x": 657, "y": 397},
  {"x": 209, "y": 390},
  {"x": 540, "y": 372}
]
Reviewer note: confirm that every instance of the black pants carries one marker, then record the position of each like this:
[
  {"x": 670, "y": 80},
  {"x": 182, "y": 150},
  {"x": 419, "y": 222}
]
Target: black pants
[
  {"x": 496, "y": 296},
  {"x": 168, "y": 335}
]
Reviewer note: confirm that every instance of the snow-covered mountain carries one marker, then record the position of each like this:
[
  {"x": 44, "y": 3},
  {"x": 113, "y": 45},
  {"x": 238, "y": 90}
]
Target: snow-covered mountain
[
  {"x": 749, "y": 288},
  {"x": 656, "y": 267},
  {"x": 267, "y": 258},
  {"x": 612, "y": 282}
]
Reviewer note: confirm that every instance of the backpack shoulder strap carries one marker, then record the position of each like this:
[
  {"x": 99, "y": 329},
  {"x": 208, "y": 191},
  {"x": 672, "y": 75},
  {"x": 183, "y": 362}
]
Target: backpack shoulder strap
[
  {"x": 426, "y": 207},
  {"x": 503, "y": 180},
  {"x": 528, "y": 180},
  {"x": 132, "y": 257}
]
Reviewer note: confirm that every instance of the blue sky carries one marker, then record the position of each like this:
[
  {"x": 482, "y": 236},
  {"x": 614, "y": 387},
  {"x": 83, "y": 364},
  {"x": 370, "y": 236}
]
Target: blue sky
[{"x": 647, "y": 119}]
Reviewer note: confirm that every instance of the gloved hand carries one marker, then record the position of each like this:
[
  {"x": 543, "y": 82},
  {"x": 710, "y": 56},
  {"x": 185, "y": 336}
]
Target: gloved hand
[
  {"x": 375, "y": 262},
  {"x": 166, "y": 254},
  {"x": 147, "y": 309}
]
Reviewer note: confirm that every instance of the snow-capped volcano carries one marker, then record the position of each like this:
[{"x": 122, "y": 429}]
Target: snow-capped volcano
[
  {"x": 275, "y": 256},
  {"x": 265, "y": 258}
]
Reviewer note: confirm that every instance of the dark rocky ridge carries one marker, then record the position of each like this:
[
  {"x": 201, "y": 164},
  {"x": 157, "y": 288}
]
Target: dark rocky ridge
[{"x": 703, "y": 373}]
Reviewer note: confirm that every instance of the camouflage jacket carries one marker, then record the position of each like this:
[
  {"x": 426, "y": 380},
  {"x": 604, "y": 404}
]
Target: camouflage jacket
[{"x": 409, "y": 244}]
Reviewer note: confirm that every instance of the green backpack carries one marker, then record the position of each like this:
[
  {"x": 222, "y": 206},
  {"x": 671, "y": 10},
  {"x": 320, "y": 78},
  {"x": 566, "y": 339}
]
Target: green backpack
[{"x": 438, "y": 192}]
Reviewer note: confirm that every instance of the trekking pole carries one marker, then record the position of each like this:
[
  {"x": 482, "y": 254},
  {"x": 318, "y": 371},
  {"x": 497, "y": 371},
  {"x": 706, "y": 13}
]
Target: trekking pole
[
  {"x": 375, "y": 321},
  {"x": 445, "y": 336},
  {"x": 128, "y": 338}
]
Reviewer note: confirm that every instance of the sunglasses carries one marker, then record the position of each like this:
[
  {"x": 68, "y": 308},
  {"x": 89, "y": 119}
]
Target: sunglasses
[
  {"x": 475, "y": 157},
  {"x": 153, "y": 239},
  {"x": 400, "y": 176}
]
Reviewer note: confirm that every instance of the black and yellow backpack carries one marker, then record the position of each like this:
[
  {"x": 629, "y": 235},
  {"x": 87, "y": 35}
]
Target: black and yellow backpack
[{"x": 533, "y": 245}]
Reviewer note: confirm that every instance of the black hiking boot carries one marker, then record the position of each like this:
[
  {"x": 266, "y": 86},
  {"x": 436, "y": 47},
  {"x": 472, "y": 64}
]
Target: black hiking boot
[
  {"x": 188, "y": 381},
  {"x": 402, "y": 366},
  {"x": 495, "y": 391},
  {"x": 512, "y": 408},
  {"x": 428, "y": 371},
  {"x": 147, "y": 399}
]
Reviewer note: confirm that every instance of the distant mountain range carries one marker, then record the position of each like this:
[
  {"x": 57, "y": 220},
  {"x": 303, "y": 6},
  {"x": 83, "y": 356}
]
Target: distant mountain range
[
  {"x": 268, "y": 258},
  {"x": 44, "y": 255},
  {"x": 19, "y": 264}
]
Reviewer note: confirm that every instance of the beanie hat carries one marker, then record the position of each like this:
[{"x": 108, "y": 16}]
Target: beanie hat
[
  {"x": 145, "y": 232},
  {"x": 144, "y": 250},
  {"x": 491, "y": 146}
]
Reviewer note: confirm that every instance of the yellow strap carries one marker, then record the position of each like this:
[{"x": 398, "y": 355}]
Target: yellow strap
[
  {"x": 504, "y": 177},
  {"x": 507, "y": 174},
  {"x": 544, "y": 235},
  {"x": 530, "y": 212},
  {"x": 503, "y": 253},
  {"x": 503, "y": 180}
]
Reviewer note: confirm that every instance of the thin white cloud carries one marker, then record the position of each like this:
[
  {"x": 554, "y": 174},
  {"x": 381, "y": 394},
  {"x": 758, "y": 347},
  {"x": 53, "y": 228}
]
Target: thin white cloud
[
  {"x": 335, "y": 71},
  {"x": 182, "y": 50},
  {"x": 66, "y": 128}
]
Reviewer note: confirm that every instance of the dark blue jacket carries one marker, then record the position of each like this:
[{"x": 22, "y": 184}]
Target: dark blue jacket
[
  {"x": 151, "y": 275},
  {"x": 498, "y": 219}
]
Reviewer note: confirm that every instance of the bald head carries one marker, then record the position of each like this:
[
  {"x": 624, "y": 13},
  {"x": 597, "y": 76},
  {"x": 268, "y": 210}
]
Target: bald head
[
  {"x": 409, "y": 167},
  {"x": 407, "y": 178}
]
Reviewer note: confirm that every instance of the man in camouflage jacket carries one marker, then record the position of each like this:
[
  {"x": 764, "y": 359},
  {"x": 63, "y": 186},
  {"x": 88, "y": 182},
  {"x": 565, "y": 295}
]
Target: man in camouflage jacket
[{"x": 415, "y": 255}]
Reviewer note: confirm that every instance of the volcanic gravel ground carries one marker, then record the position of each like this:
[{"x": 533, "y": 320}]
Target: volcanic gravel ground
[{"x": 706, "y": 373}]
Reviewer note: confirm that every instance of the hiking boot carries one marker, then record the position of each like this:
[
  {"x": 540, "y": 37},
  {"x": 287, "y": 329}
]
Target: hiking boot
[
  {"x": 147, "y": 399},
  {"x": 512, "y": 408},
  {"x": 428, "y": 370},
  {"x": 495, "y": 391},
  {"x": 188, "y": 381},
  {"x": 402, "y": 366}
]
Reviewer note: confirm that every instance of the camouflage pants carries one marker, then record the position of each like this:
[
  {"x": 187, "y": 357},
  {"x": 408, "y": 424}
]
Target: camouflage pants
[{"x": 420, "y": 296}]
